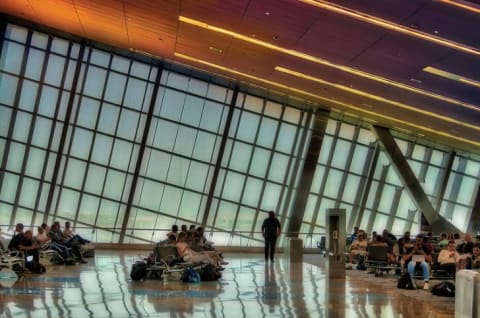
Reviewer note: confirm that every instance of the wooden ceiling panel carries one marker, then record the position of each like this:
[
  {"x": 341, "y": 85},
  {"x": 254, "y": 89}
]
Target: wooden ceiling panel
[
  {"x": 153, "y": 28},
  {"x": 338, "y": 39},
  {"x": 279, "y": 22},
  {"x": 442, "y": 20},
  {"x": 391, "y": 10},
  {"x": 223, "y": 13}
]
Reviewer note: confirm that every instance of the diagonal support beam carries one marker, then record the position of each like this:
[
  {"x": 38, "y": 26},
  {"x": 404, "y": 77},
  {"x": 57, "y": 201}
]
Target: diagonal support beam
[
  {"x": 308, "y": 172},
  {"x": 410, "y": 181}
]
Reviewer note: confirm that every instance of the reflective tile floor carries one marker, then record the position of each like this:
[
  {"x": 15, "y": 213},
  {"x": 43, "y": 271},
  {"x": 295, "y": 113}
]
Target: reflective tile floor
[{"x": 248, "y": 288}]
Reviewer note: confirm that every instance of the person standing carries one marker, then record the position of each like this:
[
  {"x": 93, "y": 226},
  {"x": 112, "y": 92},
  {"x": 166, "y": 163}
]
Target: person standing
[{"x": 271, "y": 229}]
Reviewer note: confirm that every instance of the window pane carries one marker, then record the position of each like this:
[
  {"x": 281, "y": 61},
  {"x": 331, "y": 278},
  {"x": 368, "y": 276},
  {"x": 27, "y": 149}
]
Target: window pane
[
  {"x": 41, "y": 132},
  {"x": 102, "y": 149},
  {"x": 74, "y": 174},
  {"x": 233, "y": 184},
  {"x": 341, "y": 154},
  {"x": 253, "y": 189},
  {"x": 68, "y": 203},
  {"x": 55, "y": 69},
  {"x": 88, "y": 113},
  {"x": 185, "y": 141},
  {"x": 247, "y": 128},
  {"x": 35, "y": 162},
  {"x": 114, "y": 184},
  {"x": 240, "y": 156},
  {"x": 81, "y": 143},
  {"x": 7, "y": 89},
  {"x": 95, "y": 82},
  {"x": 12, "y": 55},
  {"x": 34, "y": 64},
  {"x": 115, "y": 86},
  {"x": 29, "y": 193},
  {"x": 278, "y": 167},
  {"x": 286, "y": 138},
  {"x": 95, "y": 179},
  {"x": 108, "y": 119}
]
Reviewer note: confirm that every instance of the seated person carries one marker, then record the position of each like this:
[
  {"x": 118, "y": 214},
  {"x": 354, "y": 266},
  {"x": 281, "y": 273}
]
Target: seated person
[
  {"x": 358, "y": 247},
  {"x": 354, "y": 235},
  {"x": 68, "y": 232},
  {"x": 190, "y": 255},
  {"x": 380, "y": 241},
  {"x": 57, "y": 236},
  {"x": 28, "y": 246},
  {"x": 17, "y": 237},
  {"x": 476, "y": 257},
  {"x": 170, "y": 241},
  {"x": 448, "y": 258},
  {"x": 443, "y": 243},
  {"x": 173, "y": 231},
  {"x": 45, "y": 242},
  {"x": 419, "y": 248}
]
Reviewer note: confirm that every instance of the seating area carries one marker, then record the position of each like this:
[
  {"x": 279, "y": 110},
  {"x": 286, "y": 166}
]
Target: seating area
[
  {"x": 182, "y": 251},
  {"x": 424, "y": 257}
]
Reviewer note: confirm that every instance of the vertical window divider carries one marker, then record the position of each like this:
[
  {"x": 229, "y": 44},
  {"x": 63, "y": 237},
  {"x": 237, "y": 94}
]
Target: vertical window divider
[{"x": 141, "y": 153}]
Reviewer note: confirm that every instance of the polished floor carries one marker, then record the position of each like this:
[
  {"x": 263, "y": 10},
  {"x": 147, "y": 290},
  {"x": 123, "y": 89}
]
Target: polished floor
[{"x": 248, "y": 288}]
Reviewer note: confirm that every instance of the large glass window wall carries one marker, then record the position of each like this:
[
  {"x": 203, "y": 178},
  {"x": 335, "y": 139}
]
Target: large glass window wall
[{"x": 98, "y": 139}]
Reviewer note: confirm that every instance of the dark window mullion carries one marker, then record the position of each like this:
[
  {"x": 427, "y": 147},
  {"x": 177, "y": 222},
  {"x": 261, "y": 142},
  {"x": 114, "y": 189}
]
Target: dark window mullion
[
  {"x": 377, "y": 198},
  {"x": 11, "y": 127},
  {"x": 63, "y": 137},
  {"x": 89, "y": 158}
]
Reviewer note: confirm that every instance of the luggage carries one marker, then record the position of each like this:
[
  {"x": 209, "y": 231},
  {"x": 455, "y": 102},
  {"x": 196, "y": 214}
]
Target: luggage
[
  {"x": 139, "y": 270},
  {"x": 35, "y": 267},
  {"x": 190, "y": 275},
  {"x": 209, "y": 273},
  {"x": 405, "y": 282},
  {"x": 444, "y": 289}
]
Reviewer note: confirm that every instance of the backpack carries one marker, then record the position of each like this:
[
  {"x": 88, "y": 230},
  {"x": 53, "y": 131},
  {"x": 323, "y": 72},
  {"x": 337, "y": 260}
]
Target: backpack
[
  {"x": 405, "y": 282},
  {"x": 35, "y": 267},
  {"x": 190, "y": 275},
  {"x": 445, "y": 289},
  {"x": 139, "y": 271},
  {"x": 361, "y": 264},
  {"x": 209, "y": 273}
]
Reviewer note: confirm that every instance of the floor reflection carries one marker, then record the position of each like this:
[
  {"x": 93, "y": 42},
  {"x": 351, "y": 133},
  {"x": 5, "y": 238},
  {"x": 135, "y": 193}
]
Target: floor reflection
[{"x": 249, "y": 288}]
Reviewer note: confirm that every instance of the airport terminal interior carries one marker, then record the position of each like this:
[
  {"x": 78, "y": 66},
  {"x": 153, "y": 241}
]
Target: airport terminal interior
[{"x": 125, "y": 118}]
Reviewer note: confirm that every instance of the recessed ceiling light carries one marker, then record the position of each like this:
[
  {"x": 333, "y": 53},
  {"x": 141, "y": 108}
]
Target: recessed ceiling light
[
  {"x": 414, "y": 80},
  {"x": 216, "y": 49},
  {"x": 451, "y": 76},
  {"x": 377, "y": 98},
  {"x": 327, "y": 100},
  {"x": 321, "y": 61},
  {"x": 267, "y": 13},
  {"x": 389, "y": 25},
  {"x": 461, "y": 4}
]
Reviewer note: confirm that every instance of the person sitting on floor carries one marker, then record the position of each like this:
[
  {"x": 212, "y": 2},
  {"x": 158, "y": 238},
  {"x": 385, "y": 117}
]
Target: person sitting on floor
[
  {"x": 419, "y": 249},
  {"x": 448, "y": 258},
  {"x": 358, "y": 247}
]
